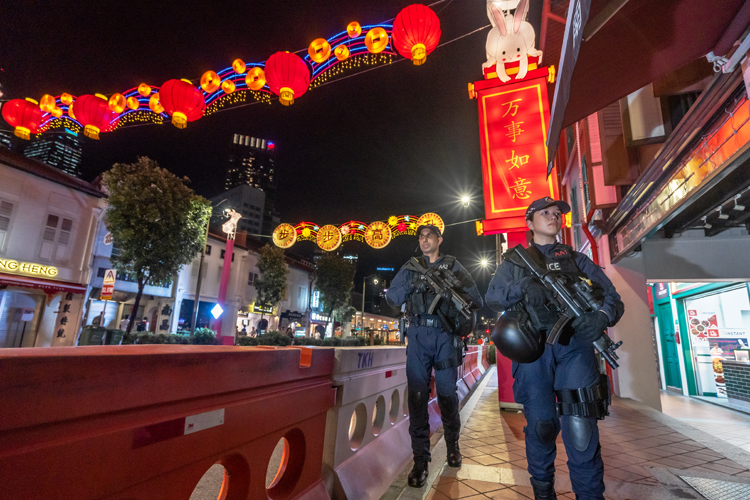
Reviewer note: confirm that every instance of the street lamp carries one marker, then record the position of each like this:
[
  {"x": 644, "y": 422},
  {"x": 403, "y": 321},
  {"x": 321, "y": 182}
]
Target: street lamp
[
  {"x": 465, "y": 200},
  {"x": 364, "y": 282},
  {"x": 484, "y": 262}
]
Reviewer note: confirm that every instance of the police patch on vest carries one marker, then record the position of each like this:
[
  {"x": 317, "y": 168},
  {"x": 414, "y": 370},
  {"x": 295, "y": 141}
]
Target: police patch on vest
[{"x": 561, "y": 253}]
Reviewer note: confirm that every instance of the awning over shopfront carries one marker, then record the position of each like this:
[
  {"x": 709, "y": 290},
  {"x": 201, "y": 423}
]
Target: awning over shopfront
[
  {"x": 644, "y": 41},
  {"x": 50, "y": 287}
]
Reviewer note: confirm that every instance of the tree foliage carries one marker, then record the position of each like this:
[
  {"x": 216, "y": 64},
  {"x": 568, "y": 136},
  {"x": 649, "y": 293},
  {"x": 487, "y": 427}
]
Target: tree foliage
[
  {"x": 272, "y": 280},
  {"x": 334, "y": 278},
  {"x": 157, "y": 221}
]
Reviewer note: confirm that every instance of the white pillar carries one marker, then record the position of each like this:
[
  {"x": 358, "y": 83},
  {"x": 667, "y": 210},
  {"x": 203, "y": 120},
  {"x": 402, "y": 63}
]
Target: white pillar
[{"x": 637, "y": 377}]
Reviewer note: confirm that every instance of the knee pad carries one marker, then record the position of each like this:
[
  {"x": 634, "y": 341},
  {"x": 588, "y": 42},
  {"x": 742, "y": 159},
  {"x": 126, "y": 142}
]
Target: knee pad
[
  {"x": 579, "y": 429},
  {"x": 546, "y": 430},
  {"x": 417, "y": 399},
  {"x": 585, "y": 402}
]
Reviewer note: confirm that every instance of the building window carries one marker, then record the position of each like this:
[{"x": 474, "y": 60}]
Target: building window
[
  {"x": 208, "y": 249},
  {"x": 6, "y": 213},
  {"x": 224, "y": 252},
  {"x": 251, "y": 278},
  {"x": 56, "y": 238}
]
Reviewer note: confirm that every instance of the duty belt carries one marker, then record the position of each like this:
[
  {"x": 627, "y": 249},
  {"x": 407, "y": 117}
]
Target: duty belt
[{"x": 428, "y": 321}]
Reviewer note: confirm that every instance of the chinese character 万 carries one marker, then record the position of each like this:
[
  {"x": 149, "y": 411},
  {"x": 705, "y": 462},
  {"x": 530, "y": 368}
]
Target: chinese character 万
[
  {"x": 66, "y": 308},
  {"x": 517, "y": 161},
  {"x": 512, "y": 108},
  {"x": 520, "y": 189},
  {"x": 514, "y": 130}
]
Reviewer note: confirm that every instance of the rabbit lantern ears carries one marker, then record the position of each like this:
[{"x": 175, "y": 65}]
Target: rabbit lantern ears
[{"x": 495, "y": 9}]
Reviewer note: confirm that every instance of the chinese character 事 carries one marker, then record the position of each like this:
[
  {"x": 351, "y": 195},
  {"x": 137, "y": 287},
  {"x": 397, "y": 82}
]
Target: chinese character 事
[
  {"x": 519, "y": 189},
  {"x": 514, "y": 130},
  {"x": 517, "y": 161}
]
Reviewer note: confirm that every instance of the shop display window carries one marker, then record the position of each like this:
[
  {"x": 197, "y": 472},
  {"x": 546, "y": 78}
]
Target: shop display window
[{"x": 718, "y": 323}]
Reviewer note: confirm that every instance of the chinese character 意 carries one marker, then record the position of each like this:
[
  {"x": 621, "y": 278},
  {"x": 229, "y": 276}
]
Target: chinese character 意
[
  {"x": 512, "y": 108},
  {"x": 514, "y": 130},
  {"x": 517, "y": 161},
  {"x": 519, "y": 189}
]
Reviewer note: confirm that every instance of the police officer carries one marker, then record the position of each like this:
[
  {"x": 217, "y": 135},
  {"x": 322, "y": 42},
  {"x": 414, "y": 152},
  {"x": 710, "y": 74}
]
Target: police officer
[
  {"x": 563, "y": 388},
  {"x": 430, "y": 346}
]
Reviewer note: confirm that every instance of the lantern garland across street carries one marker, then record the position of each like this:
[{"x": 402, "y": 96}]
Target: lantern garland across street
[
  {"x": 284, "y": 74},
  {"x": 377, "y": 234}
]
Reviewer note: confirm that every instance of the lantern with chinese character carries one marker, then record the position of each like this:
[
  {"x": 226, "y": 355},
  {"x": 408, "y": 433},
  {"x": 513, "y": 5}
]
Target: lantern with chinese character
[
  {"x": 319, "y": 50},
  {"x": 287, "y": 76},
  {"x": 256, "y": 78},
  {"x": 132, "y": 103},
  {"x": 182, "y": 101},
  {"x": 238, "y": 65},
  {"x": 416, "y": 33},
  {"x": 228, "y": 86},
  {"x": 24, "y": 116},
  {"x": 47, "y": 103},
  {"x": 144, "y": 89},
  {"x": 353, "y": 29},
  {"x": 117, "y": 103},
  {"x": 210, "y": 82},
  {"x": 376, "y": 40},
  {"x": 341, "y": 52},
  {"x": 155, "y": 105},
  {"x": 92, "y": 111}
]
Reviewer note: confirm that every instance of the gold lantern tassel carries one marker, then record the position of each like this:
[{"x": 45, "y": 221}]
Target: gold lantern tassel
[
  {"x": 286, "y": 96},
  {"x": 419, "y": 54}
]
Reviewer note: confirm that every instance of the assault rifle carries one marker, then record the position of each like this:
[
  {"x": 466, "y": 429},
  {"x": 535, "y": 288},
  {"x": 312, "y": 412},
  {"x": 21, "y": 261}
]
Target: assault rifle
[
  {"x": 572, "y": 299},
  {"x": 441, "y": 280}
]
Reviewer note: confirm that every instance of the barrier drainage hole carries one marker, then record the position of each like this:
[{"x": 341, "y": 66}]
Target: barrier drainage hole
[
  {"x": 395, "y": 407},
  {"x": 210, "y": 485},
  {"x": 378, "y": 415},
  {"x": 406, "y": 401},
  {"x": 285, "y": 465},
  {"x": 357, "y": 426}
]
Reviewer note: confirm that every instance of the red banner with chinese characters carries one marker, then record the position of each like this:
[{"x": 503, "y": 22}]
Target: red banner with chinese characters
[{"x": 513, "y": 121}]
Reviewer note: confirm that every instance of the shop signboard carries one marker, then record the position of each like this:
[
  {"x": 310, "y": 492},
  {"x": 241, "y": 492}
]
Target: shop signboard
[{"x": 108, "y": 285}]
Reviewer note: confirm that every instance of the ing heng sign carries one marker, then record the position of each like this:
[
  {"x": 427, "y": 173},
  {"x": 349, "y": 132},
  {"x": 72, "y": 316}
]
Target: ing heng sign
[{"x": 28, "y": 268}]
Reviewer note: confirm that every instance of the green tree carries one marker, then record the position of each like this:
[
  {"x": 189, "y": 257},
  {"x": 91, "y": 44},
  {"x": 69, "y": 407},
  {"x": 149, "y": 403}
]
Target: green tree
[
  {"x": 335, "y": 278},
  {"x": 272, "y": 280},
  {"x": 158, "y": 223}
]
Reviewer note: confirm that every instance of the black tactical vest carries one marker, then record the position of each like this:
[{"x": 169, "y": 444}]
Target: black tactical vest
[{"x": 417, "y": 304}]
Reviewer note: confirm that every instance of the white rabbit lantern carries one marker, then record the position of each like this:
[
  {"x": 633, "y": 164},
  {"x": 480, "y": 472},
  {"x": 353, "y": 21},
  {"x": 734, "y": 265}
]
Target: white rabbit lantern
[{"x": 511, "y": 40}]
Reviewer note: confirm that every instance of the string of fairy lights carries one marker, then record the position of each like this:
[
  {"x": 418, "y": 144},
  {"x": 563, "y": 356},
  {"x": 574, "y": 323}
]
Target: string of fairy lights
[{"x": 143, "y": 106}]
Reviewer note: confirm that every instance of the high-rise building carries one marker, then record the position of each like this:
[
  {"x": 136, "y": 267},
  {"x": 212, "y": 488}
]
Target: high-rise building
[
  {"x": 60, "y": 150},
  {"x": 251, "y": 163},
  {"x": 248, "y": 201}
]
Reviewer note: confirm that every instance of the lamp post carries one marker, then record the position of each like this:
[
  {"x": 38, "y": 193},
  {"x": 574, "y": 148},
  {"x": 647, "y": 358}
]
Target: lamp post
[{"x": 364, "y": 282}]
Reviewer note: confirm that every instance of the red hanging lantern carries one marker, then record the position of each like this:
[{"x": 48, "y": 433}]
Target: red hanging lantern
[
  {"x": 287, "y": 76},
  {"x": 92, "y": 111},
  {"x": 416, "y": 33},
  {"x": 24, "y": 115},
  {"x": 183, "y": 101}
]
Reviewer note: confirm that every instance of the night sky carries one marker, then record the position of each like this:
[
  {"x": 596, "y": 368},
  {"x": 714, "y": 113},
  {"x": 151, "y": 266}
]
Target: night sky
[{"x": 401, "y": 139}]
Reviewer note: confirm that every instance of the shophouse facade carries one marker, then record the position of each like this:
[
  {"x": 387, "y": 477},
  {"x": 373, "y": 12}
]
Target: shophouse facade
[{"x": 48, "y": 224}]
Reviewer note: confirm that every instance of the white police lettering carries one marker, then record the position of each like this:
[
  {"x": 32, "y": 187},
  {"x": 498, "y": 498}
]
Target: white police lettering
[
  {"x": 554, "y": 266},
  {"x": 443, "y": 266}
]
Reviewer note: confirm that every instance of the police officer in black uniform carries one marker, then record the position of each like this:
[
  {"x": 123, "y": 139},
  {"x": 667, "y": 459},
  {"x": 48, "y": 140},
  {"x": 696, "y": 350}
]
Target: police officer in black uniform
[
  {"x": 431, "y": 346},
  {"x": 563, "y": 388}
]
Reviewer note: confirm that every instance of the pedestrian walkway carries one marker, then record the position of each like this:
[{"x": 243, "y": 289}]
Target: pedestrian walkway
[{"x": 647, "y": 455}]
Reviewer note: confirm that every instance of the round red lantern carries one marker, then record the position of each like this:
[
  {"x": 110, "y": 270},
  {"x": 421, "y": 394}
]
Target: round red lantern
[
  {"x": 24, "y": 115},
  {"x": 92, "y": 111},
  {"x": 416, "y": 33},
  {"x": 287, "y": 76},
  {"x": 183, "y": 101}
]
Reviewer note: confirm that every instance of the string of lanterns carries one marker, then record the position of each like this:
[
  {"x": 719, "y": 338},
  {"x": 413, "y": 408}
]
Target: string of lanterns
[
  {"x": 414, "y": 35},
  {"x": 376, "y": 234}
]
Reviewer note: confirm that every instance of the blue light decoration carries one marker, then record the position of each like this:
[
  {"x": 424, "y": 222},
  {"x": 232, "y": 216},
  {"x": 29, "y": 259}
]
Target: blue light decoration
[{"x": 216, "y": 311}]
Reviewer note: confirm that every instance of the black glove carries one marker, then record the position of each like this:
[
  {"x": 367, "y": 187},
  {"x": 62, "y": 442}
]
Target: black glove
[
  {"x": 590, "y": 326},
  {"x": 418, "y": 285},
  {"x": 446, "y": 295},
  {"x": 536, "y": 293}
]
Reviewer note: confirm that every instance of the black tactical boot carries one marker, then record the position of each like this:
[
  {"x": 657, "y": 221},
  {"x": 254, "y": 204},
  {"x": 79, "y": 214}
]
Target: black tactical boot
[
  {"x": 419, "y": 473},
  {"x": 454, "y": 454},
  {"x": 543, "y": 490}
]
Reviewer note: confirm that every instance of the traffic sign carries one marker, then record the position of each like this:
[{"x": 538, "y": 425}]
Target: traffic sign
[{"x": 108, "y": 287}]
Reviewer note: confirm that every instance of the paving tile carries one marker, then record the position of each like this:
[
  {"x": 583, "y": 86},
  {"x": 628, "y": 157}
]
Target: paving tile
[
  {"x": 484, "y": 486},
  {"x": 488, "y": 460},
  {"x": 456, "y": 489},
  {"x": 436, "y": 495},
  {"x": 507, "y": 494},
  {"x": 622, "y": 475}
]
